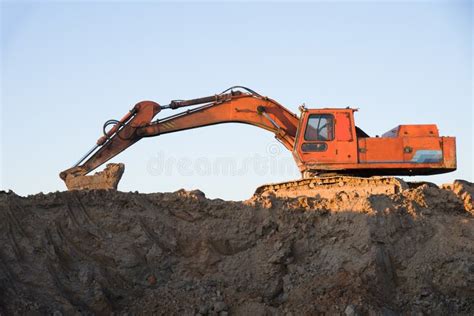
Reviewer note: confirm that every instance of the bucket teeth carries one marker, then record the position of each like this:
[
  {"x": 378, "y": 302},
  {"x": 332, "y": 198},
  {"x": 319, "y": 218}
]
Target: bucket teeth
[{"x": 107, "y": 179}]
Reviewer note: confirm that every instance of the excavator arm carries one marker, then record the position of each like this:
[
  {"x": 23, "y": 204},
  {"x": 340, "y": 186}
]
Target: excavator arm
[{"x": 228, "y": 107}]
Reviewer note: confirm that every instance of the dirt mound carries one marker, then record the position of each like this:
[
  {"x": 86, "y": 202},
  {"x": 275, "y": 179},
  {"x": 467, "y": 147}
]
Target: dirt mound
[{"x": 180, "y": 253}]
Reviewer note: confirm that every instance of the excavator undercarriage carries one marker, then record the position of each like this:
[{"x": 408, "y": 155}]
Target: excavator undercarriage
[
  {"x": 332, "y": 153},
  {"x": 329, "y": 186}
]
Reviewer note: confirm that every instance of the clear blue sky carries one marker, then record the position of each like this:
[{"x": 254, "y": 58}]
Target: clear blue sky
[{"x": 68, "y": 67}]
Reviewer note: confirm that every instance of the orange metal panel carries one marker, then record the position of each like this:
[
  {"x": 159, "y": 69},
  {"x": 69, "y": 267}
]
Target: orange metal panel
[
  {"x": 418, "y": 130},
  {"x": 381, "y": 150},
  {"x": 346, "y": 152},
  {"x": 362, "y": 149},
  {"x": 343, "y": 126},
  {"x": 420, "y": 149},
  {"x": 449, "y": 152},
  {"x": 345, "y": 137}
]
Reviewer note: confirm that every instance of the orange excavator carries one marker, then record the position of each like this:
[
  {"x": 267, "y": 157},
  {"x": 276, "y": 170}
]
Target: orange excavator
[{"x": 328, "y": 148}]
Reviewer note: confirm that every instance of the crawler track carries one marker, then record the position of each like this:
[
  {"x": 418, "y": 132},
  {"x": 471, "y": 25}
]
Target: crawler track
[{"x": 327, "y": 187}]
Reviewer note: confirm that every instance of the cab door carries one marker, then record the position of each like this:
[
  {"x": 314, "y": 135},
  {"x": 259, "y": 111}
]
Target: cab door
[
  {"x": 317, "y": 140},
  {"x": 328, "y": 138}
]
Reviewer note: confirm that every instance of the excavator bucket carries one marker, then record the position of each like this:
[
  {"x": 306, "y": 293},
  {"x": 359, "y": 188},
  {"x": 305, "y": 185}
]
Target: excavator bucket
[{"x": 107, "y": 179}]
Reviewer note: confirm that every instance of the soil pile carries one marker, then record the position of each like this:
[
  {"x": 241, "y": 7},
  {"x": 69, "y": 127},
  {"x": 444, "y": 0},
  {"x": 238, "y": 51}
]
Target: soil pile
[{"x": 108, "y": 252}]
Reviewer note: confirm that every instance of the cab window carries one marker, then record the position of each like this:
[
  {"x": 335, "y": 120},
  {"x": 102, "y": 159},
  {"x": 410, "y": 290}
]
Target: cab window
[{"x": 320, "y": 128}]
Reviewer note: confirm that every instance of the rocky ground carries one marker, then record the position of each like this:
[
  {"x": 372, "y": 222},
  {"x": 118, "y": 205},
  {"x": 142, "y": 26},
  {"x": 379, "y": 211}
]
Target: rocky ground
[{"x": 102, "y": 252}]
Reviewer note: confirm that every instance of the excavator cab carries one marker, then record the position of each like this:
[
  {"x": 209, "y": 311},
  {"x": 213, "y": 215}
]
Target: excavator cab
[{"x": 328, "y": 137}]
